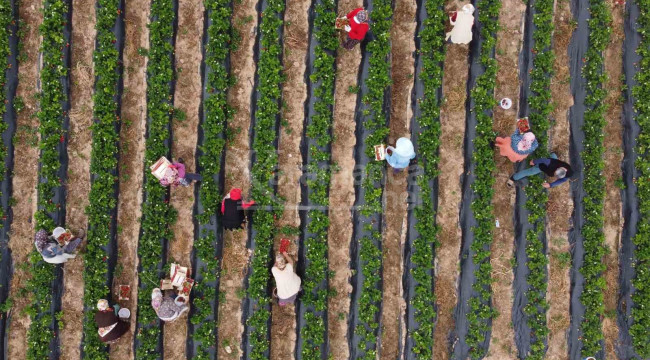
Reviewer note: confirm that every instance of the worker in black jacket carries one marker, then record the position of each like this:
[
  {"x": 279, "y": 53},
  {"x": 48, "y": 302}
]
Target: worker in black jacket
[
  {"x": 552, "y": 167},
  {"x": 232, "y": 209}
]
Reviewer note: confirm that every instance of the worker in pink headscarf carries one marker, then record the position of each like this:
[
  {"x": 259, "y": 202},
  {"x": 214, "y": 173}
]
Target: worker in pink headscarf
[
  {"x": 233, "y": 210},
  {"x": 518, "y": 146}
]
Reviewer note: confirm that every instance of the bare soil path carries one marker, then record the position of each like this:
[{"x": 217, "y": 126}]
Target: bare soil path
[
  {"x": 509, "y": 41},
  {"x": 395, "y": 194},
  {"x": 82, "y": 84},
  {"x": 131, "y": 166},
  {"x": 613, "y": 173},
  {"x": 294, "y": 93},
  {"x": 24, "y": 177},
  {"x": 342, "y": 194},
  {"x": 187, "y": 98},
  {"x": 452, "y": 126},
  {"x": 237, "y": 168},
  {"x": 560, "y": 204}
]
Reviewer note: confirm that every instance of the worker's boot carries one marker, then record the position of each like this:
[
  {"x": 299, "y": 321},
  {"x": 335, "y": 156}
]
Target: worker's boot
[{"x": 511, "y": 182}]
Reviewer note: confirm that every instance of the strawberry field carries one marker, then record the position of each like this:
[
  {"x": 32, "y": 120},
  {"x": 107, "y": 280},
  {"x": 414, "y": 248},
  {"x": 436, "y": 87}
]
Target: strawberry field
[{"x": 442, "y": 260}]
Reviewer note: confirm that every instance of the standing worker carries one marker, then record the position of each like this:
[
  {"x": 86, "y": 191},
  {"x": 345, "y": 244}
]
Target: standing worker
[
  {"x": 233, "y": 210},
  {"x": 400, "y": 156},
  {"x": 552, "y": 167},
  {"x": 462, "y": 22},
  {"x": 287, "y": 282},
  {"x": 357, "y": 27}
]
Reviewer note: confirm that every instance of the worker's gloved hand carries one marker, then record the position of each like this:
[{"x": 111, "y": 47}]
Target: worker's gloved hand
[
  {"x": 532, "y": 163},
  {"x": 347, "y": 28},
  {"x": 546, "y": 185},
  {"x": 389, "y": 151}
]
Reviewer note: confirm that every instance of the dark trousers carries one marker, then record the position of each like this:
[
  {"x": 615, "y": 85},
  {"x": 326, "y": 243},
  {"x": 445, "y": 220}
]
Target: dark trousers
[{"x": 350, "y": 43}]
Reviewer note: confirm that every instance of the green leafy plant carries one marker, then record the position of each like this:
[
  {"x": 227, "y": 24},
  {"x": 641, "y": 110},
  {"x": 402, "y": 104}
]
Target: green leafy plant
[
  {"x": 319, "y": 133},
  {"x": 480, "y": 312},
  {"x": 157, "y": 214},
  {"x": 640, "y": 329},
  {"x": 52, "y": 141},
  {"x": 269, "y": 72},
  {"x": 103, "y": 165}
]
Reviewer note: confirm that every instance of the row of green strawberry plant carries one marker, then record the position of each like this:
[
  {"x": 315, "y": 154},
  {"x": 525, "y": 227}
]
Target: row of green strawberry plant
[
  {"x": 157, "y": 214},
  {"x": 480, "y": 311},
  {"x": 375, "y": 125},
  {"x": 217, "y": 113},
  {"x": 536, "y": 196},
  {"x": 432, "y": 53},
  {"x": 319, "y": 133},
  {"x": 52, "y": 143},
  {"x": 270, "y": 78},
  {"x": 594, "y": 183},
  {"x": 103, "y": 167},
  {"x": 6, "y": 23},
  {"x": 640, "y": 329}
]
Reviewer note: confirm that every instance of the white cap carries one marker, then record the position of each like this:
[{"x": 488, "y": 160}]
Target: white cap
[
  {"x": 404, "y": 147},
  {"x": 468, "y": 9},
  {"x": 58, "y": 231}
]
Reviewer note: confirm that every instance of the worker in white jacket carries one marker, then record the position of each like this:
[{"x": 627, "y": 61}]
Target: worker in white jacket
[
  {"x": 462, "y": 22},
  {"x": 286, "y": 280}
]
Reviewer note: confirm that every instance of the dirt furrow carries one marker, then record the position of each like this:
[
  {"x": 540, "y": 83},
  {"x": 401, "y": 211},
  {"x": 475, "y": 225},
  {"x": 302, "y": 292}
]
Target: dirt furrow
[
  {"x": 452, "y": 126},
  {"x": 509, "y": 41},
  {"x": 560, "y": 204},
  {"x": 131, "y": 165},
  {"x": 24, "y": 179},
  {"x": 187, "y": 99},
  {"x": 613, "y": 175},
  {"x": 78, "y": 184},
  {"x": 294, "y": 93},
  {"x": 342, "y": 194},
  {"x": 395, "y": 194},
  {"x": 237, "y": 168}
]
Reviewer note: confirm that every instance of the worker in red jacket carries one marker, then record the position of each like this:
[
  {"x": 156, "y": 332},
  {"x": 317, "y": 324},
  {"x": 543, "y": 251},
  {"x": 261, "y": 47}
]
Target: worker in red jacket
[{"x": 357, "y": 27}]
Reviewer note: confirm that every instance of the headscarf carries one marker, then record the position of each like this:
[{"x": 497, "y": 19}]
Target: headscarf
[
  {"x": 235, "y": 194},
  {"x": 404, "y": 147},
  {"x": 156, "y": 298},
  {"x": 526, "y": 142},
  {"x": 280, "y": 261},
  {"x": 362, "y": 16},
  {"x": 40, "y": 240},
  {"x": 58, "y": 231},
  {"x": 102, "y": 305},
  {"x": 468, "y": 9}
]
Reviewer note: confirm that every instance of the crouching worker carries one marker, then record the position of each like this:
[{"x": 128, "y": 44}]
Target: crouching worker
[
  {"x": 110, "y": 326},
  {"x": 552, "y": 167},
  {"x": 287, "y": 282},
  {"x": 400, "y": 156},
  {"x": 166, "y": 307},
  {"x": 357, "y": 27},
  {"x": 233, "y": 210},
  {"x": 59, "y": 247},
  {"x": 462, "y": 22},
  {"x": 179, "y": 176}
]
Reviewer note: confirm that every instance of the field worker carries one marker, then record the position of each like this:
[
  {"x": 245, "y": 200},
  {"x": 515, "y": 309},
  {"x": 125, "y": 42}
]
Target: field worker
[
  {"x": 110, "y": 327},
  {"x": 166, "y": 307},
  {"x": 462, "y": 22},
  {"x": 552, "y": 167},
  {"x": 357, "y": 27},
  {"x": 51, "y": 250},
  {"x": 518, "y": 146},
  {"x": 287, "y": 282},
  {"x": 400, "y": 156},
  {"x": 181, "y": 177},
  {"x": 233, "y": 210}
]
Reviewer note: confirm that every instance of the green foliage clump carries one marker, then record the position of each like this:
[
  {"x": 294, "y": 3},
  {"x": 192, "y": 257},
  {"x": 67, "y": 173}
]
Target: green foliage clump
[{"x": 157, "y": 214}]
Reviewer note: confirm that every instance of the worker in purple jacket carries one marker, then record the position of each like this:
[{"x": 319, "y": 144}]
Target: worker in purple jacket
[{"x": 552, "y": 167}]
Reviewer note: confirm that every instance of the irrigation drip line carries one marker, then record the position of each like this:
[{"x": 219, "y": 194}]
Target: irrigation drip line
[
  {"x": 631, "y": 131},
  {"x": 9, "y": 119}
]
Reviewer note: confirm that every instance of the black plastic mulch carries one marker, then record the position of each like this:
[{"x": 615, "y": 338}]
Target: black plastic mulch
[
  {"x": 213, "y": 226},
  {"x": 624, "y": 348},
  {"x": 9, "y": 117},
  {"x": 467, "y": 221},
  {"x": 577, "y": 50}
]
